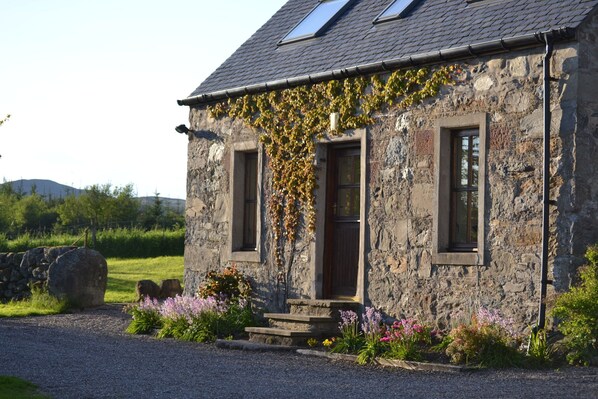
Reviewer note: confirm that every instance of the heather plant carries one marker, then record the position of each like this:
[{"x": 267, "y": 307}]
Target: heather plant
[
  {"x": 372, "y": 328},
  {"x": 404, "y": 339},
  {"x": 146, "y": 316},
  {"x": 191, "y": 318},
  {"x": 184, "y": 317},
  {"x": 351, "y": 340},
  {"x": 577, "y": 311},
  {"x": 487, "y": 341},
  {"x": 230, "y": 284}
]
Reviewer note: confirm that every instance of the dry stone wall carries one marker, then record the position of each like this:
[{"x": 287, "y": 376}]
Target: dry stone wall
[
  {"x": 20, "y": 271},
  {"x": 400, "y": 277}
]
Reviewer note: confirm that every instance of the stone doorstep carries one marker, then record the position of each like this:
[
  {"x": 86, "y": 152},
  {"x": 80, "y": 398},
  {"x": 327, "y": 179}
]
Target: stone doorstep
[
  {"x": 320, "y": 307},
  {"x": 323, "y": 303},
  {"x": 302, "y": 318},
  {"x": 252, "y": 346},
  {"x": 404, "y": 364},
  {"x": 278, "y": 332}
]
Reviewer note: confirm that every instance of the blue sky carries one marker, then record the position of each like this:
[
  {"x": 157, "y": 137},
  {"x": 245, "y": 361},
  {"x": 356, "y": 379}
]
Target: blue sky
[{"x": 92, "y": 85}]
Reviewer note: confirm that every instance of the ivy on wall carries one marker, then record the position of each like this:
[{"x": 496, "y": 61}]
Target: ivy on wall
[{"x": 291, "y": 121}]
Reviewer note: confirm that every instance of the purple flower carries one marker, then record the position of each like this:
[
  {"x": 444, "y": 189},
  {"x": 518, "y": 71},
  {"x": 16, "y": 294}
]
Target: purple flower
[
  {"x": 372, "y": 319},
  {"x": 348, "y": 319},
  {"x": 489, "y": 317},
  {"x": 190, "y": 307}
]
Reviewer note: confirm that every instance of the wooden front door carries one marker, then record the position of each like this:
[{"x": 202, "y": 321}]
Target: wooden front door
[{"x": 341, "y": 251}]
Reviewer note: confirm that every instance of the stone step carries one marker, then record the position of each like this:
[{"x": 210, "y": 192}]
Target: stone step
[
  {"x": 321, "y": 307},
  {"x": 299, "y": 322},
  {"x": 278, "y": 336}
]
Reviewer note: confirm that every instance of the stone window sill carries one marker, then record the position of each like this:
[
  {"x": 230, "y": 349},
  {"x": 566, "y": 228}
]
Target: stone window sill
[
  {"x": 245, "y": 256},
  {"x": 457, "y": 258}
]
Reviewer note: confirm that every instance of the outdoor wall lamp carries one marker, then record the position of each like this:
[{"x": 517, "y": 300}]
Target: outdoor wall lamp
[
  {"x": 182, "y": 129},
  {"x": 198, "y": 134}
]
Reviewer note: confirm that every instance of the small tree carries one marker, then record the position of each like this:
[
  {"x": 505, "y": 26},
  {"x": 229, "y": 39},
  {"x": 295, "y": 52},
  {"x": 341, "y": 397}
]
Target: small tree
[{"x": 578, "y": 313}]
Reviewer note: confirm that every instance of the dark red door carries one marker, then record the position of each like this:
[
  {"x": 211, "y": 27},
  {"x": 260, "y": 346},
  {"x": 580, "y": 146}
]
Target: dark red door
[{"x": 341, "y": 252}]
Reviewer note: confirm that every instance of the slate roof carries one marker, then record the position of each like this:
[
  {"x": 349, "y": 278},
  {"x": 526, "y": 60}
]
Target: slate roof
[{"x": 352, "y": 40}]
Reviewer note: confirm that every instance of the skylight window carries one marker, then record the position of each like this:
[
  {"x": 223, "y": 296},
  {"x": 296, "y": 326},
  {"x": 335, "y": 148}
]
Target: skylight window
[
  {"x": 397, "y": 9},
  {"x": 317, "y": 20}
]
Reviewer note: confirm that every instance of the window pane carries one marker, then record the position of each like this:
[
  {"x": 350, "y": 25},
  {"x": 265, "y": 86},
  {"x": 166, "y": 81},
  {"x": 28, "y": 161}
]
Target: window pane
[
  {"x": 396, "y": 8},
  {"x": 316, "y": 19},
  {"x": 344, "y": 203},
  {"x": 250, "y": 222},
  {"x": 473, "y": 211},
  {"x": 460, "y": 218},
  {"x": 355, "y": 207},
  {"x": 345, "y": 170},
  {"x": 461, "y": 168},
  {"x": 250, "y": 202},
  {"x": 475, "y": 160},
  {"x": 356, "y": 169},
  {"x": 250, "y": 177}
]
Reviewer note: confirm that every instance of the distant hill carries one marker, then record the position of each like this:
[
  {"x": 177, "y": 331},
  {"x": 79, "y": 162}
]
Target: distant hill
[
  {"x": 49, "y": 188},
  {"x": 46, "y": 188}
]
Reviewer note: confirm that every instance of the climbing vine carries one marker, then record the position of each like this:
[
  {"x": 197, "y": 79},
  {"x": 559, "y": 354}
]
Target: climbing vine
[{"x": 291, "y": 121}]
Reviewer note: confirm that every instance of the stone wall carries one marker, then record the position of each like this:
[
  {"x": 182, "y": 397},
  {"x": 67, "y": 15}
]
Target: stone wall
[
  {"x": 399, "y": 275},
  {"x": 20, "y": 271}
]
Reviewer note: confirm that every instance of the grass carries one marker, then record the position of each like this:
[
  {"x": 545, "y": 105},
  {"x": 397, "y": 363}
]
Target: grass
[
  {"x": 123, "y": 274},
  {"x": 16, "y": 388},
  {"x": 40, "y": 303}
]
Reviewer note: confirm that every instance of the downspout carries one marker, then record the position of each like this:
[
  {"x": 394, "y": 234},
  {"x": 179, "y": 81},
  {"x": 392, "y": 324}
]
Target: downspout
[{"x": 548, "y": 39}]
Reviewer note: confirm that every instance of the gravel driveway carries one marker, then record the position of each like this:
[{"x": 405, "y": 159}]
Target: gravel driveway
[{"x": 87, "y": 355}]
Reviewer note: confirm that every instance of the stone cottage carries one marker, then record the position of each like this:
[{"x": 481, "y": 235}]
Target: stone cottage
[{"x": 430, "y": 211}]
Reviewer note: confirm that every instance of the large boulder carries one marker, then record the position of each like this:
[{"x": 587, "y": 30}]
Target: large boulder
[
  {"x": 170, "y": 288},
  {"x": 147, "y": 288},
  {"x": 79, "y": 276}
]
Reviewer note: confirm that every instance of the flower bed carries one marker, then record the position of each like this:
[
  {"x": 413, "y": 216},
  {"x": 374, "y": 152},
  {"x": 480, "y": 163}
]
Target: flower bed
[{"x": 487, "y": 340}]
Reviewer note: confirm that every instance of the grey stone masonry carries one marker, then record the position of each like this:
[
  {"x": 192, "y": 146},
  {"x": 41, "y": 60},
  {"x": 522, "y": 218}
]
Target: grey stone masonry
[
  {"x": 20, "y": 271},
  {"x": 403, "y": 273}
]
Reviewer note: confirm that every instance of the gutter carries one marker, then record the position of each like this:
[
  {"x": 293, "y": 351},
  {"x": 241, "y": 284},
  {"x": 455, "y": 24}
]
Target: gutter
[
  {"x": 548, "y": 39},
  {"x": 452, "y": 54}
]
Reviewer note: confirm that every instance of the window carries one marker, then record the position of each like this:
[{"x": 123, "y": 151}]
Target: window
[
  {"x": 464, "y": 189},
  {"x": 245, "y": 195},
  {"x": 396, "y": 9},
  {"x": 459, "y": 170},
  {"x": 317, "y": 20},
  {"x": 250, "y": 202}
]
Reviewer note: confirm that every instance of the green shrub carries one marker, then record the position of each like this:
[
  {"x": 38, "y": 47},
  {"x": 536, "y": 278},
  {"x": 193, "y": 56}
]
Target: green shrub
[
  {"x": 539, "y": 352},
  {"x": 146, "y": 316},
  {"x": 116, "y": 243},
  {"x": 231, "y": 284},
  {"x": 487, "y": 341},
  {"x": 577, "y": 311}
]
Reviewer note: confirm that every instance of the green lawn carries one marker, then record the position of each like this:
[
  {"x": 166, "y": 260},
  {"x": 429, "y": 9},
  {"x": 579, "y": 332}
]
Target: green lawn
[
  {"x": 124, "y": 273},
  {"x": 39, "y": 304},
  {"x": 16, "y": 388}
]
